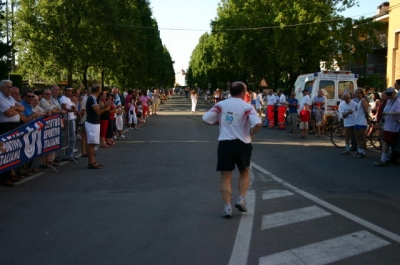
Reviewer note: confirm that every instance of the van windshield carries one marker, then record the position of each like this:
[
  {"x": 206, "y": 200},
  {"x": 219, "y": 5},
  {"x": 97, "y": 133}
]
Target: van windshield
[
  {"x": 345, "y": 87},
  {"x": 328, "y": 87}
]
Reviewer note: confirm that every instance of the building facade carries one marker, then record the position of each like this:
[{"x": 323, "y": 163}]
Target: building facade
[{"x": 393, "y": 55}]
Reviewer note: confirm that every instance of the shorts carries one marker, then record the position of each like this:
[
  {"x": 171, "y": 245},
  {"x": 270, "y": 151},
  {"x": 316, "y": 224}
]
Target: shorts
[
  {"x": 231, "y": 152},
  {"x": 303, "y": 125},
  {"x": 360, "y": 127},
  {"x": 93, "y": 133},
  {"x": 389, "y": 137}
]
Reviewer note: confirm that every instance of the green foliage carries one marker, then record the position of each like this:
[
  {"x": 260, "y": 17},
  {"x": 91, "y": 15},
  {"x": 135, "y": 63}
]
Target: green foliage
[
  {"x": 276, "y": 40},
  {"x": 108, "y": 41}
]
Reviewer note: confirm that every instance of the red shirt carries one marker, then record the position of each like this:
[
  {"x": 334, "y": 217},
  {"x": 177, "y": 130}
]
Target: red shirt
[{"x": 304, "y": 115}]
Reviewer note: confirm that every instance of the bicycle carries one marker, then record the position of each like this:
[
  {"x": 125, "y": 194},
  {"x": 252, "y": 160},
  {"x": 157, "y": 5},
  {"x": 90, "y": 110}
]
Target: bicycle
[
  {"x": 374, "y": 135},
  {"x": 338, "y": 138},
  {"x": 332, "y": 122}
]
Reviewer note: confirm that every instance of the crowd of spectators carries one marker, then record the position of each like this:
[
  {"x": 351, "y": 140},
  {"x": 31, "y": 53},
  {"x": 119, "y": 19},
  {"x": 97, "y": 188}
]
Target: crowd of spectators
[{"x": 129, "y": 109}]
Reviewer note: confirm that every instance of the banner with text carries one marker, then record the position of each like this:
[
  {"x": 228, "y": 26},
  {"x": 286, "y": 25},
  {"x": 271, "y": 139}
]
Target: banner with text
[{"x": 29, "y": 141}]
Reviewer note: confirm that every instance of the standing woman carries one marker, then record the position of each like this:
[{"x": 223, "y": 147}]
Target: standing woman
[
  {"x": 104, "y": 119},
  {"x": 144, "y": 99},
  {"x": 111, "y": 123},
  {"x": 193, "y": 97},
  {"x": 217, "y": 96}
]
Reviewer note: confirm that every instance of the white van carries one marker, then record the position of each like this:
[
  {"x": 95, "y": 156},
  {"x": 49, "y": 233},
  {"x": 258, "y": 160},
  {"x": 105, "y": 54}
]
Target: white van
[{"x": 333, "y": 83}]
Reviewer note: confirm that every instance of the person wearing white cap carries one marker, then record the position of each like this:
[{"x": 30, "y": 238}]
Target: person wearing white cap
[{"x": 391, "y": 126}]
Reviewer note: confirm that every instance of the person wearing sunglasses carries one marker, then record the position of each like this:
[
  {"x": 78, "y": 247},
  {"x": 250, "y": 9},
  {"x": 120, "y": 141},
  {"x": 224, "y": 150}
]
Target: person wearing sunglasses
[{"x": 28, "y": 114}]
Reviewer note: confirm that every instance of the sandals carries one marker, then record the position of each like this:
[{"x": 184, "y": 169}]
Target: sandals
[{"x": 95, "y": 165}]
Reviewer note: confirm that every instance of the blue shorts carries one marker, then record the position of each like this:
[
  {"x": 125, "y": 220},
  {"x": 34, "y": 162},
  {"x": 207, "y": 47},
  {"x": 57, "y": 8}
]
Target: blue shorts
[{"x": 360, "y": 127}]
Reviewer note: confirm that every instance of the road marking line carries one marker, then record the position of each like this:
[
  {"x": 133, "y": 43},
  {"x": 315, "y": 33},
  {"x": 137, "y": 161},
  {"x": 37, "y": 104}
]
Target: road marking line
[
  {"x": 241, "y": 248},
  {"x": 272, "y": 194},
  {"x": 331, "y": 207},
  {"x": 292, "y": 217},
  {"x": 327, "y": 251}
]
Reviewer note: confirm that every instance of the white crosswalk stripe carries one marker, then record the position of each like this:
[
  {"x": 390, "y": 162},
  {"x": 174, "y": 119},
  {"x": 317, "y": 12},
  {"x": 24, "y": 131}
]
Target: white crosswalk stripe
[
  {"x": 327, "y": 251},
  {"x": 312, "y": 208},
  {"x": 272, "y": 194},
  {"x": 292, "y": 217}
]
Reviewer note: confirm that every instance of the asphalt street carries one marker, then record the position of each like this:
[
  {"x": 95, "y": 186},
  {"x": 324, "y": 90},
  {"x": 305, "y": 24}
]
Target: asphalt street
[{"x": 157, "y": 201}]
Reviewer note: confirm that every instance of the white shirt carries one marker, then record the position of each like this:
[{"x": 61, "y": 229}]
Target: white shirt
[
  {"x": 235, "y": 117},
  {"x": 390, "y": 124},
  {"x": 350, "y": 120},
  {"x": 361, "y": 119},
  {"x": 305, "y": 100},
  {"x": 68, "y": 103},
  {"x": 271, "y": 100},
  {"x": 259, "y": 101},
  {"x": 5, "y": 104},
  {"x": 282, "y": 100}
]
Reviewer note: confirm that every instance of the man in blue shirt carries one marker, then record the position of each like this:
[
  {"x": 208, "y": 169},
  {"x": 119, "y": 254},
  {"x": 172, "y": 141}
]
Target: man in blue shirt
[
  {"x": 27, "y": 114},
  {"x": 292, "y": 118}
]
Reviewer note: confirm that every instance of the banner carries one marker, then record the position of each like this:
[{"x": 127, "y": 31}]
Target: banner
[{"x": 29, "y": 141}]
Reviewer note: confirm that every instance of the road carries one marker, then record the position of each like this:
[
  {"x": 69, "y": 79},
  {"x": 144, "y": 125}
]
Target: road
[{"x": 157, "y": 201}]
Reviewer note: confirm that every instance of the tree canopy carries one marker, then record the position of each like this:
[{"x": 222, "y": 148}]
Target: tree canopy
[
  {"x": 116, "y": 42},
  {"x": 276, "y": 40}
]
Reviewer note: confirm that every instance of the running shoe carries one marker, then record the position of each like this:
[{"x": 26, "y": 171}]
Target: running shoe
[
  {"x": 360, "y": 155},
  {"x": 227, "y": 212},
  {"x": 241, "y": 205},
  {"x": 121, "y": 137}
]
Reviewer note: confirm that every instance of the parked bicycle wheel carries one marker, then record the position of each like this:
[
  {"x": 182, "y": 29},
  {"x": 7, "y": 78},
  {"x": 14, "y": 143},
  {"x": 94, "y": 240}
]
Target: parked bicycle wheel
[
  {"x": 338, "y": 138},
  {"x": 375, "y": 139}
]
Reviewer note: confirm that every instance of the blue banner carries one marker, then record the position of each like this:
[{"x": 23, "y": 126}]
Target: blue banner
[{"x": 29, "y": 141}]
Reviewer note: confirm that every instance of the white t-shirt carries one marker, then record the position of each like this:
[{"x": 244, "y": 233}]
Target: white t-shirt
[
  {"x": 68, "y": 103},
  {"x": 259, "y": 101},
  {"x": 350, "y": 120},
  {"x": 305, "y": 100},
  {"x": 390, "y": 124},
  {"x": 282, "y": 100},
  {"x": 235, "y": 117},
  {"x": 271, "y": 100}
]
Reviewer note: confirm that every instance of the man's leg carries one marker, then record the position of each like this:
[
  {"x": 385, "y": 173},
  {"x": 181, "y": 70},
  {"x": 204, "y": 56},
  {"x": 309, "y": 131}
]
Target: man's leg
[
  {"x": 90, "y": 152},
  {"x": 225, "y": 186},
  {"x": 244, "y": 181}
]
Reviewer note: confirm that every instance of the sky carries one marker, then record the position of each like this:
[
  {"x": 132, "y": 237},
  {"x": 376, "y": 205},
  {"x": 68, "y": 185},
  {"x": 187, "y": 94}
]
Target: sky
[{"x": 182, "y": 22}]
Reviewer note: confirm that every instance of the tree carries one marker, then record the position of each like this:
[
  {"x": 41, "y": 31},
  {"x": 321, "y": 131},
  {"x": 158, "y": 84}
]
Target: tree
[
  {"x": 4, "y": 47},
  {"x": 277, "y": 40}
]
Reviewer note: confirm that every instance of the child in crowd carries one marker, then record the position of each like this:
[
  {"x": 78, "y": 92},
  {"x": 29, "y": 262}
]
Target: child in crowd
[
  {"x": 319, "y": 113},
  {"x": 304, "y": 119}
]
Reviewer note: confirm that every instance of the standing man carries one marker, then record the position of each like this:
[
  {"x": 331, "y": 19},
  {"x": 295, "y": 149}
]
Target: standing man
[
  {"x": 391, "y": 126},
  {"x": 10, "y": 111},
  {"x": 362, "y": 115},
  {"x": 397, "y": 87},
  {"x": 238, "y": 122},
  {"x": 271, "y": 102},
  {"x": 281, "y": 110},
  {"x": 320, "y": 99},
  {"x": 293, "y": 103},
  {"x": 69, "y": 107},
  {"x": 92, "y": 123},
  {"x": 347, "y": 109}
]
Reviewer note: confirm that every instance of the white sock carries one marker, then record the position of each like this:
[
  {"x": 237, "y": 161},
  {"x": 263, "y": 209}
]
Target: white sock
[
  {"x": 241, "y": 198},
  {"x": 228, "y": 206}
]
